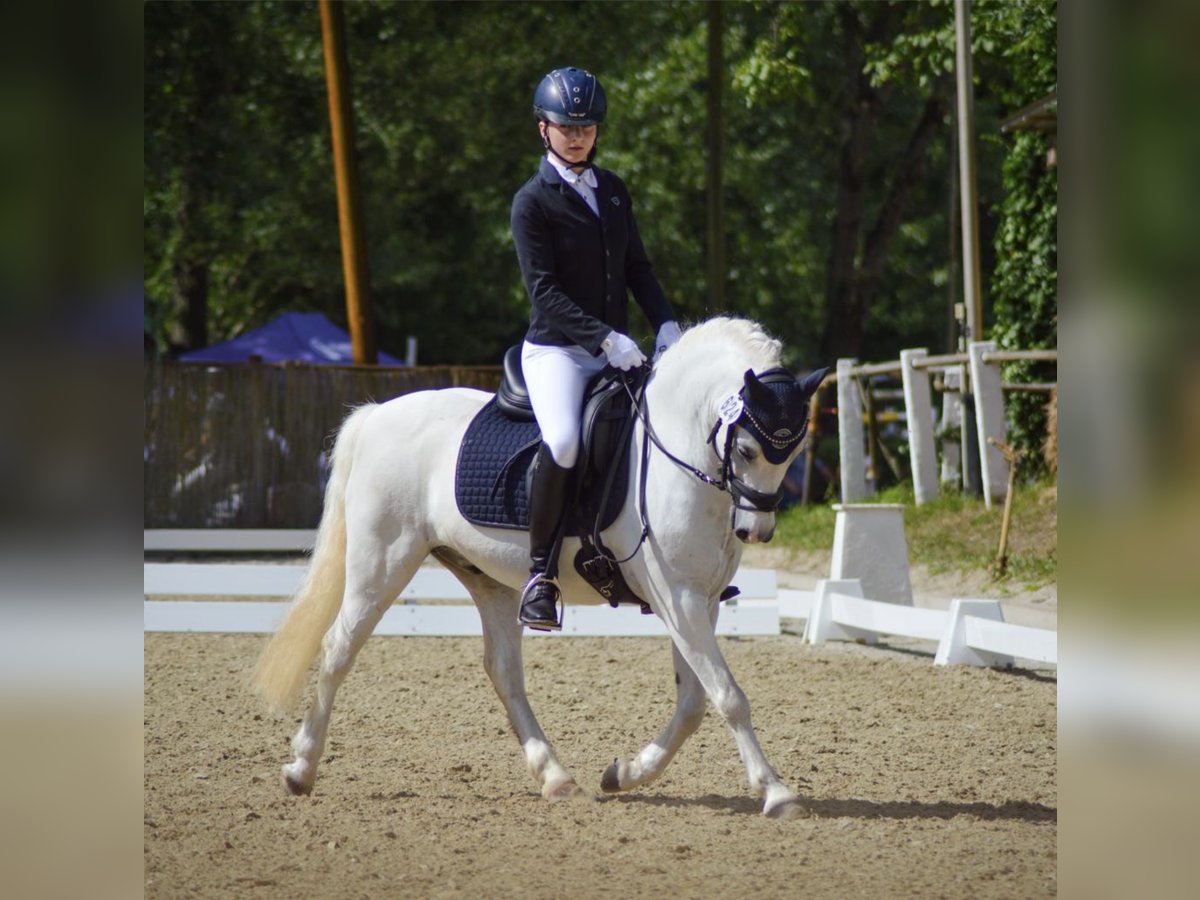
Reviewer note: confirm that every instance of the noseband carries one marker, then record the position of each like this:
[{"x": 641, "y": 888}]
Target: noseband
[
  {"x": 727, "y": 481},
  {"x": 760, "y": 501}
]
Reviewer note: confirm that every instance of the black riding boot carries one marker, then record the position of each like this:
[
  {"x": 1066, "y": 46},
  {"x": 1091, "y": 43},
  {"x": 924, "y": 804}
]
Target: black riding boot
[{"x": 547, "y": 495}]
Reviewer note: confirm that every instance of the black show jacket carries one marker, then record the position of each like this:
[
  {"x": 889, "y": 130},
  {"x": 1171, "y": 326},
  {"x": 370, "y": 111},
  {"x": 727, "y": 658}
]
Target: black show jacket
[{"x": 577, "y": 267}]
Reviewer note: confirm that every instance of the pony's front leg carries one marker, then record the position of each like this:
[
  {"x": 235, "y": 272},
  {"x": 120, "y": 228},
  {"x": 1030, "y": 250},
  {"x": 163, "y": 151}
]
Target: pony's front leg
[
  {"x": 502, "y": 658},
  {"x": 689, "y": 621},
  {"x": 652, "y": 761}
]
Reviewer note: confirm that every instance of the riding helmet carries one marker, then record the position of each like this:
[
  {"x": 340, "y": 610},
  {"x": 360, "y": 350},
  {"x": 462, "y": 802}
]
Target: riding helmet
[{"x": 570, "y": 96}]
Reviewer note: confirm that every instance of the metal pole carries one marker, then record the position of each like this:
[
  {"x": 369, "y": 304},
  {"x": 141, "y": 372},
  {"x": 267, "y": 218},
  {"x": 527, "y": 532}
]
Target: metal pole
[
  {"x": 972, "y": 289},
  {"x": 713, "y": 174},
  {"x": 345, "y": 167}
]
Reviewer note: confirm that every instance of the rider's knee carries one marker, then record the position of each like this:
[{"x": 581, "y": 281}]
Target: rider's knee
[{"x": 564, "y": 449}]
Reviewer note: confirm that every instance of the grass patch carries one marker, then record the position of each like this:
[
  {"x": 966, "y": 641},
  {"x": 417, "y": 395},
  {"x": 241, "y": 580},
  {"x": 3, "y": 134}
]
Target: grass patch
[{"x": 955, "y": 533}]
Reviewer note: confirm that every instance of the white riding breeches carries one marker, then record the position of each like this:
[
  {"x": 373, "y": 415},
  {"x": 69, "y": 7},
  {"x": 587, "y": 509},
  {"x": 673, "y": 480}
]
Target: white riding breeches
[{"x": 556, "y": 378}]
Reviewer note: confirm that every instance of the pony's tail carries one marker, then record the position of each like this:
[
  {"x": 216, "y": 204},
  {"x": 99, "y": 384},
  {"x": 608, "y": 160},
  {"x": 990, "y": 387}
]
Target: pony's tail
[{"x": 282, "y": 668}]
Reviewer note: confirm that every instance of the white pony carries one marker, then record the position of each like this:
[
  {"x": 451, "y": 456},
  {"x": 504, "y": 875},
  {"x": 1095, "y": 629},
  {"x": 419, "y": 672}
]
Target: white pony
[{"x": 390, "y": 503}]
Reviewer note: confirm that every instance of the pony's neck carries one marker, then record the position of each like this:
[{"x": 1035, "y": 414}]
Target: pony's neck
[
  {"x": 706, "y": 365},
  {"x": 683, "y": 402},
  {"x": 689, "y": 397}
]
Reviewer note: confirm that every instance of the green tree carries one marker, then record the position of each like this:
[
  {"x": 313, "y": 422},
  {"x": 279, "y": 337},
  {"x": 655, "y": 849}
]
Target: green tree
[
  {"x": 238, "y": 200},
  {"x": 1025, "y": 282},
  {"x": 837, "y": 170}
]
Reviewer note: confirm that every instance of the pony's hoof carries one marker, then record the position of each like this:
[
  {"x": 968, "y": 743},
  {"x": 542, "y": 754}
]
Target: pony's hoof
[
  {"x": 295, "y": 786},
  {"x": 787, "y": 808},
  {"x": 610, "y": 781},
  {"x": 568, "y": 790}
]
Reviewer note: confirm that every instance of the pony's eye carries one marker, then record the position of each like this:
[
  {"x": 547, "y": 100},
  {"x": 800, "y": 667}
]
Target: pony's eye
[{"x": 747, "y": 453}]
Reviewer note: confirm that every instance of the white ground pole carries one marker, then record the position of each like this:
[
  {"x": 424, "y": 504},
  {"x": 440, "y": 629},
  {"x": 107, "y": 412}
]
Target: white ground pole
[
  {"x": 850, "y": 434},
  {"x": 989, "y": 420},
  {"x": 840, "y": 612},
  {"x": 754, "y": 612},
  {"x": 821, "y": 626},
  {"x": 869, "y": 544},
  {"x": 952, "y": 425},
  {"x": 970, "y": 632},
  {"x": 957, "y": 647},
  {"x": 918, "y": 407}
]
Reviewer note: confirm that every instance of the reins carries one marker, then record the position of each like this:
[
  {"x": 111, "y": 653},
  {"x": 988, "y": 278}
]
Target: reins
[{"x": 726, "y": 482}]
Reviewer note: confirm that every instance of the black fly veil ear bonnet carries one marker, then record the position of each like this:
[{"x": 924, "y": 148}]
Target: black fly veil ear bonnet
[{"x": 774, "y": 409}]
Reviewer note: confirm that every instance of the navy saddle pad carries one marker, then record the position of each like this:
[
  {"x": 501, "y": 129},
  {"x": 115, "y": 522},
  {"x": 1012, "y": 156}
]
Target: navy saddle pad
[{"x": 491, "y": 485}]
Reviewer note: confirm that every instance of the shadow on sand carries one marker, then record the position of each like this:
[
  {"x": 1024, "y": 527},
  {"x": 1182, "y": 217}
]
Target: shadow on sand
[{"x": 832, "y": 808}]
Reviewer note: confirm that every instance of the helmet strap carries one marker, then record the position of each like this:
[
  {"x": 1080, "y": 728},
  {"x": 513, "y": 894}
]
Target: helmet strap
[{"x": 586, "y": 164}]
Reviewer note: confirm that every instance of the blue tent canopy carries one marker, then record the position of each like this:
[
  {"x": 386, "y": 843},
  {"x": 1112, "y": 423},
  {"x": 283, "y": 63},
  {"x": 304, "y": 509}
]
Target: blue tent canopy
[{"x": 289, "y": 337}]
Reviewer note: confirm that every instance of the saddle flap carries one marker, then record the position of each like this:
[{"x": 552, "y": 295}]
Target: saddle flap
[{"x": 606, "y": 412}]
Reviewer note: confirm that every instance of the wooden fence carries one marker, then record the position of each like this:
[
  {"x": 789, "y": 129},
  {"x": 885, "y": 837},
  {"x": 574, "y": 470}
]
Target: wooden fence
[{"x": 246, "y": 445}]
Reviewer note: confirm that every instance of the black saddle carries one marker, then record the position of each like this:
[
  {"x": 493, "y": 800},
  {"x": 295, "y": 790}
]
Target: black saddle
[
  {"x": 492, "y": 477},
  {"x": 512, "y": 396}
]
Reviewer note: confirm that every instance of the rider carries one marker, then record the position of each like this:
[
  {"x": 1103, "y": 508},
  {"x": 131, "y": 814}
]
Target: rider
[{"x": 579, "y": 252}]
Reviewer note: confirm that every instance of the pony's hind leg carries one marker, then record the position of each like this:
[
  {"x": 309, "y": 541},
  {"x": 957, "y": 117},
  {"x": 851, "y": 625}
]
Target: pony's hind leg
[
  {"x": 502, "y": 658},
  {"x": 652, "y": 761},
  {"x": 373, "y": 580}
]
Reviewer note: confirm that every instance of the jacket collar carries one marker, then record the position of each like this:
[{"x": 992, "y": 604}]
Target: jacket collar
[
  {"x": 549, "y": 173},
  {"x": 587, "y": 176},
  {"x": 550, "y": 176}
]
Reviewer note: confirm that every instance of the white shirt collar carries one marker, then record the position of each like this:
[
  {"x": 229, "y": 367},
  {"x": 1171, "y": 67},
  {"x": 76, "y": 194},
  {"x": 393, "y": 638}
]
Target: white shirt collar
[{"x": 569, "y": 175}]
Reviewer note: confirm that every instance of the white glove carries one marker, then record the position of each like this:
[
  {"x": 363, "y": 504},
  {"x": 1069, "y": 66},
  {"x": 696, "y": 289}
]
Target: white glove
[
  {"x": 668, "y": 334},
  {"x": 621, "y": 351}
]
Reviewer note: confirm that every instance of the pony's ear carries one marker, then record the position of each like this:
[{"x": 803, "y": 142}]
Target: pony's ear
[
  {"x": 756, "y": 394},
  {"x": 810, "y": 383}
]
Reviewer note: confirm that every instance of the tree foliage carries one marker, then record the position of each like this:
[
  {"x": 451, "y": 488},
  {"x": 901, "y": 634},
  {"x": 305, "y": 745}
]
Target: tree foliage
[
  {"x": 837, "y": 172},
  {"x": 1025, "y": 280}
]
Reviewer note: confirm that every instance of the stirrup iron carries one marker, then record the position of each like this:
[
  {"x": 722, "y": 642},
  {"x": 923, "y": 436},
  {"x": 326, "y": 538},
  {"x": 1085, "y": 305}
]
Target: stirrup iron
[{"x": 542, "y": 622}]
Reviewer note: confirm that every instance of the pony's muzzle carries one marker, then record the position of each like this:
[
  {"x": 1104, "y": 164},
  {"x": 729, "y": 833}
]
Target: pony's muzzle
[{"x": 757, "y": 533}]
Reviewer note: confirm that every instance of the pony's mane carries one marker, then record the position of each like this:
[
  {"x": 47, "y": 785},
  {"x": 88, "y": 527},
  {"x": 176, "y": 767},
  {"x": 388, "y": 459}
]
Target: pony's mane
[{"x": 723, "y": 334}]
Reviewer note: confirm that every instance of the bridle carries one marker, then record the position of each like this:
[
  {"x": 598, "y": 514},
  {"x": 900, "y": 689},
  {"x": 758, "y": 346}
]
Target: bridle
[{"x": 726, "y": 480}]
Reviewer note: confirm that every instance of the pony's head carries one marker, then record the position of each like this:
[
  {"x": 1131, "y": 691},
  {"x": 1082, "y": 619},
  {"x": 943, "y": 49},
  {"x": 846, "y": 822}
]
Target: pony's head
[
  {"x": 760, "y": 411},
  {"x": 766, "y": 421}
]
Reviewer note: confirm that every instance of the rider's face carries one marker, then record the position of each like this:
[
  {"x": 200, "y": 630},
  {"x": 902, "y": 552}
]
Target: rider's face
[{"x": 572, "y": 142}]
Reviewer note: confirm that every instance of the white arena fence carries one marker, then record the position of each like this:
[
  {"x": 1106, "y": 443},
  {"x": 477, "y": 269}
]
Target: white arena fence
[
  {"x": 435, "y": 604},
  {"x": 977, "y": 371}
]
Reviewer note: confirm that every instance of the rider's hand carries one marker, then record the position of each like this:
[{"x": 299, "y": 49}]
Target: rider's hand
[
  {"x": 621, "y": 351},
  {"x": 668, "y": 334}
]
